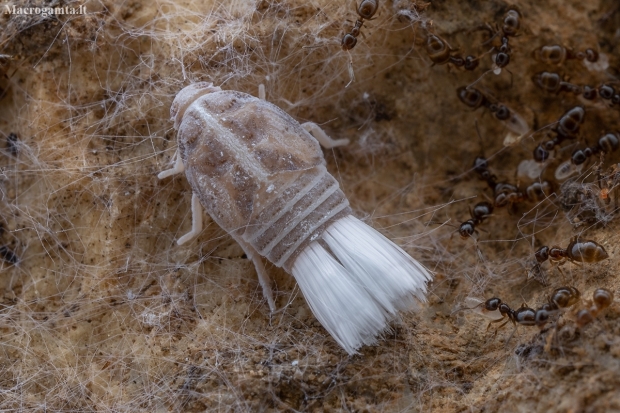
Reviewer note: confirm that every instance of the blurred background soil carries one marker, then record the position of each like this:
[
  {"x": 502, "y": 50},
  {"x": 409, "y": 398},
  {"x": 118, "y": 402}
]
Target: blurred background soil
[{"x": 104, "y": 312}]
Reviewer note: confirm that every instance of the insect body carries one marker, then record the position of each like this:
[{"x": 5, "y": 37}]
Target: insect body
[
  {"x": 607, "y": 143},
  {"x": 576, "y": 251},
  {"x": 261, "y": 176},
  {"x": 523, "y": 315},
  {"x": 481, "y": 211},
  {"x": 474, "y": 98},
  {"x": 567, "y": 128},
  {"x": 557, "y": 55},
  {"x": 365, "y": 11},
  {"x": 440, "y": 53}
]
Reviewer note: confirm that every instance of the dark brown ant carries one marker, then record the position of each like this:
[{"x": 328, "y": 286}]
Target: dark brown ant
[
  {"x": 577, "y": 251},
  {"x": 523, "y": 315},
  {"x": 601, "y": 299},
  {"x": 440, "y": 53},
  {"x": 510, "y": 28},
  {"x": 607, "y": 143},
  {"x": 557, "y": 55},
  {"x": 567, "y": 128},
  {"x": 561, "y": 298},
  {"x": 365, "y": 11},
  {"x": 474, "y": 98},
  {"x": 552, "y": 83},
  {"x": 507, "y": 194},
  {"x": 481, "y": 211}
]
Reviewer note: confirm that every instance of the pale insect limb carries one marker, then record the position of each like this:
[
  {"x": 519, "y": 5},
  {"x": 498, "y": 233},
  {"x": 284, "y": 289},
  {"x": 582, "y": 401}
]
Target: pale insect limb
[
  {"x": 176, "y": 169},
  {"x": 263, "y": 277},
  {"x": 261, "y": 92},
  {"x": 319, "y": 134},
  {"x": 196, "y": 221},
  {"x": 312, "y": 128},
  {"x": 351, "y": 72}
]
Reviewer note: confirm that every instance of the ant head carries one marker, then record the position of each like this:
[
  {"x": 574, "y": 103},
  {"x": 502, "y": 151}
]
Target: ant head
[
  {"x": 542, "y": 254},
  {"x": 540, "y": 153},
  {"x": 502, "y": 113},
  {"x": 467, "y": 229},
  {"x": 541, "y": 317},
  {"x": 492, "y": 304},
  {"x": 471, "y": 62},
  {"x": 578, "y": 157}
]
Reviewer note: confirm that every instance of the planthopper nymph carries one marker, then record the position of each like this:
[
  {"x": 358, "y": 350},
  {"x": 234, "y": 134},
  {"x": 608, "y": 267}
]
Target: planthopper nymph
[{"x": 262, "y": 177}]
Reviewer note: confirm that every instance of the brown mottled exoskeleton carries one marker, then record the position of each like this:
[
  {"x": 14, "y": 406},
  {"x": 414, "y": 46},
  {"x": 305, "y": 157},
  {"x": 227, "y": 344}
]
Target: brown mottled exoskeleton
[
  {"x": 365, "y": 11},
  {"x": 263, "y": 178}
]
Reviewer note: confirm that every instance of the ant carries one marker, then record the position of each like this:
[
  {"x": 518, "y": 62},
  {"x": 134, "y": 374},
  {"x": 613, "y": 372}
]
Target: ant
[
  {"x": 567, "y": 128},
  {"x": 505, "y": 193},
  {"x": 365, "y": 11},
  {"x": 552, "y": 83},
  {"x": 556, "y": 55},
  {"x": 440, "y": 53},
  {"x": 607, "y": 143},
  {"x": 523, "y": 315},
  {"x": 510, "y": 28},
  {"x": 481, "y": 211},
  {"x": 601, "y": 299},
  {"x": 577, "y": 251},
  {"x": 561, "y": 298},
  {"x": 474, "y": 98}
]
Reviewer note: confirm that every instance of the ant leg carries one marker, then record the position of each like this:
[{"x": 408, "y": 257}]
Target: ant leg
[
  {"x": 319, "y": 134},
  {"x": 499, "y": 320}
]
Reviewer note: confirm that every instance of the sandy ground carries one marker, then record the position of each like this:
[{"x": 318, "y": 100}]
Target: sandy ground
[{"x": 104, "y": 312}]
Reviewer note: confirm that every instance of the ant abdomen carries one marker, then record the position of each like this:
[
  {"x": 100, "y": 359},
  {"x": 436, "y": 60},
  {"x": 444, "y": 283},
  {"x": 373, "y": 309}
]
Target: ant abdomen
[
  {"x": 586, "y": 251},
  {"x": 367, "y": 9}
]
